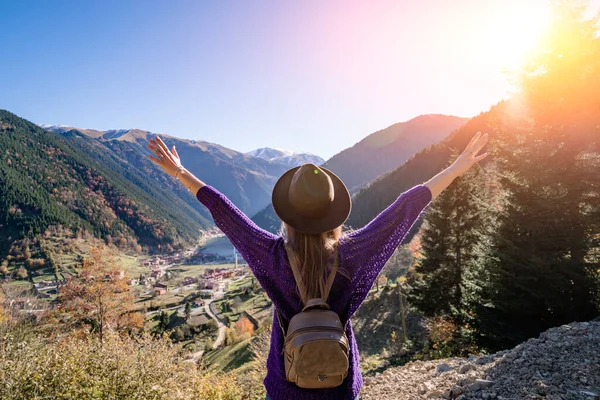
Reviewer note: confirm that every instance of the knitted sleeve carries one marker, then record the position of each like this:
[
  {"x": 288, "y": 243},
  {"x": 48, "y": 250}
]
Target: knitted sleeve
[
  {"x": 366, "y": 250},
  {"x": 253, "y": 243}
]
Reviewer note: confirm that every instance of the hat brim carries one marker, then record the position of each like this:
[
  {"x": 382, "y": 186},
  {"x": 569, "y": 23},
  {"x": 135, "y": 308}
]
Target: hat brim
[{"x": 338, "y": 213}]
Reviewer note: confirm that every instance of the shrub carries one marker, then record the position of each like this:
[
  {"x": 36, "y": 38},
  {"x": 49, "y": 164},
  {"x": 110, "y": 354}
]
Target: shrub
[
  {"x": 4, "y": 267},
  {"x": 35, "y": 263},
  {"x": 22, "y": 273},
  {"x": 446, "y": 339},
  {"x": 253, "y": 380},
  {"x": 119, "y": 368}
]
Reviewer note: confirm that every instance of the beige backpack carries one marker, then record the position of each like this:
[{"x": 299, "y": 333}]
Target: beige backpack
[{"x": 316, "y": 346}]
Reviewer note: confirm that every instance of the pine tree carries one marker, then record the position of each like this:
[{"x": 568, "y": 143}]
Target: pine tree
[{"x": 452, "y": 230}]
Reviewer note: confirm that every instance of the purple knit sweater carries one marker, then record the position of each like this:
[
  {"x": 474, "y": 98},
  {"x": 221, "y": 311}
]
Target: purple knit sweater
[{"x": 363, "y": 254}]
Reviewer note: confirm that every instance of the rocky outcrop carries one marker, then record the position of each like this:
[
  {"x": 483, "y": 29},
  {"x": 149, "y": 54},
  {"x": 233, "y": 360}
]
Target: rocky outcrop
[{"x": 561, "y": 364}]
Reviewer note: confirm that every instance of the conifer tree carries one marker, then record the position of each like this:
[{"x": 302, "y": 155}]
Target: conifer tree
[{"x": 452, "y": 231}]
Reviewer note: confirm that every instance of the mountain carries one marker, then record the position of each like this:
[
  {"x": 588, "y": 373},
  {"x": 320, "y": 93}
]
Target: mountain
[
  {"x": 245, "y": 179},
  {"x": 72, "y": 180},
  {"x": 286, "y": 157},
  {"x": 378, "y": 153},
  {"x": 386, "y": 149}
]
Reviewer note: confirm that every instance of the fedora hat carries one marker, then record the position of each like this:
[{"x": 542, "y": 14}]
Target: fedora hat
[{"x": 311, "y": 199}]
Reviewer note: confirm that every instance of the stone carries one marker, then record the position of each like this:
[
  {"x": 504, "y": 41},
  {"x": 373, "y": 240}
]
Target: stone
[
  {"x": 466, "y": 368},
  {"x": 435, "y": 394},
  {"x": 441, "y": 368},
  {"x": 484, "y": 383}
]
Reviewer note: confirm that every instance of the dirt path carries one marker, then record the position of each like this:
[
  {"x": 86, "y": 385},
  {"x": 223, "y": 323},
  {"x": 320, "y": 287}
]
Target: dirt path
[
  {"x": 197, "y": 356},
  {"x": 221, "y": 335}
]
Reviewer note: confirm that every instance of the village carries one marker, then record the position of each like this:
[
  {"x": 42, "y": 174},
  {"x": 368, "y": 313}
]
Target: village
[
  {"x": 205, "y": 272},
  {"x": 196, "y": 296}
]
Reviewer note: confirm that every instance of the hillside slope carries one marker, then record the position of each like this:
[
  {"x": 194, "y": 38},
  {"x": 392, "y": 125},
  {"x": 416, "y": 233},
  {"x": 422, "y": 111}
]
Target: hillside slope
[
  {"x": 386, "y": 149},
  {"x": 48, "y": 179},
  {"x": 561, "y": 364}
]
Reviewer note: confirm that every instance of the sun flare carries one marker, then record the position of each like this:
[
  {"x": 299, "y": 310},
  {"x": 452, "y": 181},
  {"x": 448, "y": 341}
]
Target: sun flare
[{"x": 514, "y": 33}]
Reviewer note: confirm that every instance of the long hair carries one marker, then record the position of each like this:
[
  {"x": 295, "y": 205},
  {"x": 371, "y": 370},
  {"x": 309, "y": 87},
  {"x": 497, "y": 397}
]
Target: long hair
[{"x": 310, "y": 253}]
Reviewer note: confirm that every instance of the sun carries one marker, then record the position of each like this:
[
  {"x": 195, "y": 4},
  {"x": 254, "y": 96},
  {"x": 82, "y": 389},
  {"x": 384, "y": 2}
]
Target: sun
[{"x": 514, "y": 33}]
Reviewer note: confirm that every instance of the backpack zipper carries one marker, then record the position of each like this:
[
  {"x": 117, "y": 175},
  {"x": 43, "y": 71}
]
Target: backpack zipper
[{"x": 298, "y": 331}]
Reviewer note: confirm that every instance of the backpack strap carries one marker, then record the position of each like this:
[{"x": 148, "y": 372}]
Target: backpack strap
[{"x": 300, "y": 283}]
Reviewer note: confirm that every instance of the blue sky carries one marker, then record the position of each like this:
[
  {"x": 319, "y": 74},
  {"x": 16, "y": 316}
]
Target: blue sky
[{"x": 312, "y": 75}]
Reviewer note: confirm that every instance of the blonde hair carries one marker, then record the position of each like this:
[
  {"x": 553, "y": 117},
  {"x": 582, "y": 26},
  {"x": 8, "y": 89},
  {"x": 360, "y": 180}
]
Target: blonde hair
[{"x": 310, "y": 253}]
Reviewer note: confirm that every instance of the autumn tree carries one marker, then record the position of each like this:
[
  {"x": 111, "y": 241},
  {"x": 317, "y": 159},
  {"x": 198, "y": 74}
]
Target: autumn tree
[
  {"x": 22, "y": 273},
  {"x": 399, "y": 263},
  {"x": 243, "y": 326},
  {"x": 98, "y": 297}
]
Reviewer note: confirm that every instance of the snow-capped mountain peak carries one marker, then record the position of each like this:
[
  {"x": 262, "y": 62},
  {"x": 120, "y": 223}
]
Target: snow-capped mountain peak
[{"x": 285, "y": 157}]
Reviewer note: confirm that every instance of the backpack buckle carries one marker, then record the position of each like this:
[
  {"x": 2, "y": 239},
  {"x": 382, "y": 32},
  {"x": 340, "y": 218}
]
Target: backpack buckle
[{"x": 321, "y": 378}]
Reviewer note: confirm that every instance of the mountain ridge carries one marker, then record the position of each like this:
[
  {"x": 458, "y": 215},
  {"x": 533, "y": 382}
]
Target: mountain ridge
[
  {"x": 387, "y": 148},
  {"x": 245, "y": 179}
]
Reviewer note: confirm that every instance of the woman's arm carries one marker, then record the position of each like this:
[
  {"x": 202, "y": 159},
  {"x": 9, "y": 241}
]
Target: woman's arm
[
  {"x": 254, "y": 243},
  {"x": 462, "y": 164},
  {"x": 369, "y": 248},
  {"x": 169, "y": 161}
]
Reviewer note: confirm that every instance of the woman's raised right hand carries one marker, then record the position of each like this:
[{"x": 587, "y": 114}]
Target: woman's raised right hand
[
  {"x": 168, "y": 160},
  {"x": 469, "y": 156}
]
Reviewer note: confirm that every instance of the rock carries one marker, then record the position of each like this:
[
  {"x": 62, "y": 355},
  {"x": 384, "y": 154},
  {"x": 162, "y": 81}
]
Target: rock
[
  {"x": 466, "y": 368},
  {"x": 456, "y": 391},
  {"x": 484, "y": 360},
  {"x": 480, "y": 384},
  {"x": 484, "y": 383},
  {"x": 435, "y": 394},
  {"x": 590, "y": 394},
  {"x": 443, "y": 368}
]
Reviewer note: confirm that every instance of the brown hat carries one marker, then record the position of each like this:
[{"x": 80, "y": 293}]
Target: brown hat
[{"x": 311, "y": 199}]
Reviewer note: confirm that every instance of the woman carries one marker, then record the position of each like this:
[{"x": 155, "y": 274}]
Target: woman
[{"x": 313, "y": 204}]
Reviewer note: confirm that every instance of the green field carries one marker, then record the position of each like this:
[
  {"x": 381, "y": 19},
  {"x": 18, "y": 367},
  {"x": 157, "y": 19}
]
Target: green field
[{"x": 230, "y": 357}]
